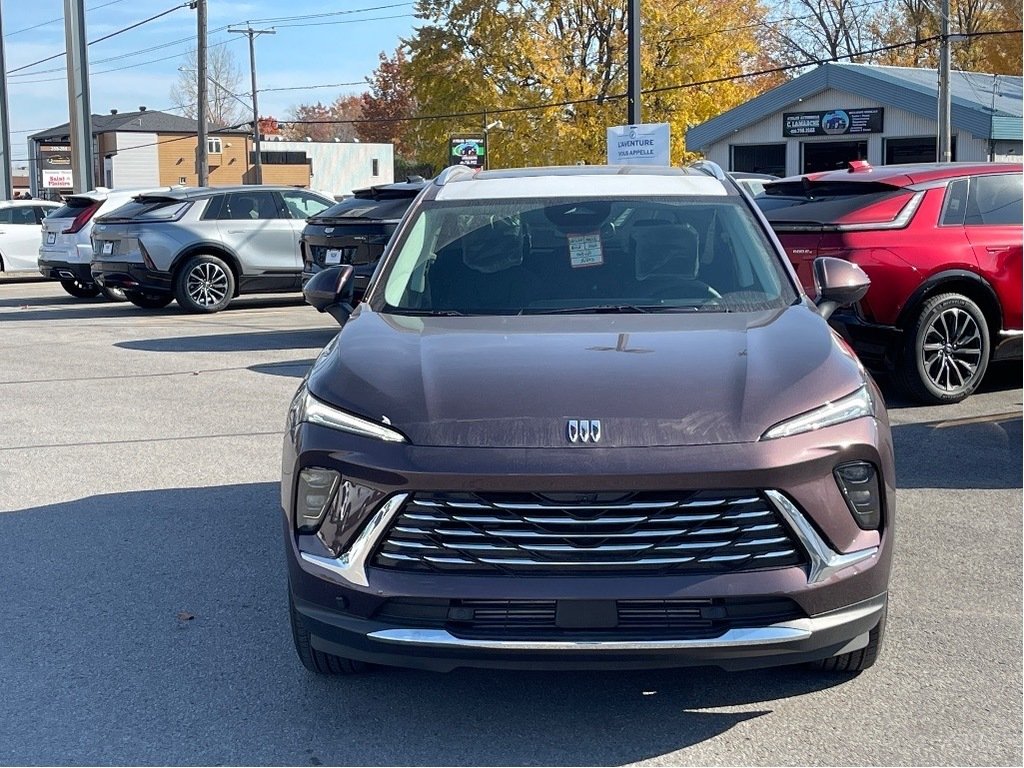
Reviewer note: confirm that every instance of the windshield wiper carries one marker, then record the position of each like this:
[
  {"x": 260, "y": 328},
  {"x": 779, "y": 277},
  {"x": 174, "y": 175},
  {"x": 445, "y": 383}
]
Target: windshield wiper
[
  {"x": 425, "y": 312},
  {"x": 596, "y": 309}
]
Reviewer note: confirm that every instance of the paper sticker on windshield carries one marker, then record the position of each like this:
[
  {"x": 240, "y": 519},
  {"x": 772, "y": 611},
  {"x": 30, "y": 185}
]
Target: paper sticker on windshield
[{"x": 585, "y": 250}]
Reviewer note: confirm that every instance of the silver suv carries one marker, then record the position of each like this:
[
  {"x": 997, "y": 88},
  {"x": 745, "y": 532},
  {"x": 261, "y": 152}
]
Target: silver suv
[{"x": 204, "y": 246}]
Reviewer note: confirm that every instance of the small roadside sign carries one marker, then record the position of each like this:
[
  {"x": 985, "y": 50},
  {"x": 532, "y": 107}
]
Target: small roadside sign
[{"x": 644, "y": 144}]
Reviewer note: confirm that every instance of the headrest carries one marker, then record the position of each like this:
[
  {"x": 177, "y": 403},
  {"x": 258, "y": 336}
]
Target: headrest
[{"x": 665, "y": 250}]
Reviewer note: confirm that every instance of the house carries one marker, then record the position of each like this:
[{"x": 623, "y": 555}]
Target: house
[{"x": 840, "y": 112}]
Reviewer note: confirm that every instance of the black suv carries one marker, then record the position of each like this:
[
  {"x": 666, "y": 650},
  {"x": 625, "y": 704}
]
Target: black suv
[{"x": 356, "y": 230}]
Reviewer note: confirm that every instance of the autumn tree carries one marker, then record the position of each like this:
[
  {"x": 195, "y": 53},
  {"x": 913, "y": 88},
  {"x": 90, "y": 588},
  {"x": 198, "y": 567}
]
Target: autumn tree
[
  {"x": 918, "y": 22},
  {"x": 323, "y": 122},
  {"x": 269, "y": 126},
  {"x": 225, "y": 105},
  {"x": 554, "y": 71},
  {"x": 388, "y": 101}
]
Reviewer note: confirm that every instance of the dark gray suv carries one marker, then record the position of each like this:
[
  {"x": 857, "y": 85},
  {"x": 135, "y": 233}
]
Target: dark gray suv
[
  {"x": 586, "y": 417},
  {"x": 203, "y": 246}
]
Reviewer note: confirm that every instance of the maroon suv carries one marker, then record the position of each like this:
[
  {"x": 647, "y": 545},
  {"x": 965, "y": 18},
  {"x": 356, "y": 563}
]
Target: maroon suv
[
  {"x": 586, "y": 417},
  {"x": 942, "y": 246}
]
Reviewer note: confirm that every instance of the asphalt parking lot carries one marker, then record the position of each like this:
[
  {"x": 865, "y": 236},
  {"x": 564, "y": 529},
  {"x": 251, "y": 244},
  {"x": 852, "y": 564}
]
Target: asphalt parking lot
[{"x": 142, "y": 583}]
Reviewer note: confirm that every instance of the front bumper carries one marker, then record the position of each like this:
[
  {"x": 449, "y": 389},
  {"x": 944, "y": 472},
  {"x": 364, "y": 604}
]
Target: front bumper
[
  {"x": 790, "y": 642},
  {"x": 130, "y": 275},
  {"x": 840, "y": 591}
]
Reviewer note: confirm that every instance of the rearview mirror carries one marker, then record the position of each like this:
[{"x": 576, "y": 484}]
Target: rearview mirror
[
  {"x": 839, "y": 283},
  {"x": 330, "y": 291}
]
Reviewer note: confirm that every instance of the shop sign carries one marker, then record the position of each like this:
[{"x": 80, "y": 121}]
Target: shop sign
[
  {"x": 58, "y": 180},
  {"x": 836, "y": 122}
]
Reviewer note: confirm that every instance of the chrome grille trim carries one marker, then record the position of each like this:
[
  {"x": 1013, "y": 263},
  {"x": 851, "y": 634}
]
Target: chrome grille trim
[{"x": 633, "y": 532}]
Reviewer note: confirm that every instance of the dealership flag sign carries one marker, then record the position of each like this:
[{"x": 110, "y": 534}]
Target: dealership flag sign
[{"x": 647, "y": 144}]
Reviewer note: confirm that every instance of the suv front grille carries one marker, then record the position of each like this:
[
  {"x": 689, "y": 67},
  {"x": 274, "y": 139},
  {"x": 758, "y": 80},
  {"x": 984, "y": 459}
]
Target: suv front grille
[{"x": 702, "y": 531}]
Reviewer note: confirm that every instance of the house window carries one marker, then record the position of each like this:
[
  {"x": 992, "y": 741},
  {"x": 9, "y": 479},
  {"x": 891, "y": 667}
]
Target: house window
[
  {"x": 214, "y": 146},
  {"x": 182, "y": 180},
  {"x": 375, "y": 167}
]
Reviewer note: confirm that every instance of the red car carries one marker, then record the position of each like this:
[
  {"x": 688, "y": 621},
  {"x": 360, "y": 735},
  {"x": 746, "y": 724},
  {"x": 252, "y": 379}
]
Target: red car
[{"x": 942, "y": 246}]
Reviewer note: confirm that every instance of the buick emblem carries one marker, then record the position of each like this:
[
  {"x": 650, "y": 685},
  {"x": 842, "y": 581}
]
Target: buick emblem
[{"x": 584, "y": 431}]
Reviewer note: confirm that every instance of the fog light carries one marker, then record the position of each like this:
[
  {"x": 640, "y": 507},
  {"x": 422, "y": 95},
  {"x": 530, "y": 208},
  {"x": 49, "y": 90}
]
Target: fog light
[
  {"x": 858, "y": 482},
  {"x": 314, "y": 493}
]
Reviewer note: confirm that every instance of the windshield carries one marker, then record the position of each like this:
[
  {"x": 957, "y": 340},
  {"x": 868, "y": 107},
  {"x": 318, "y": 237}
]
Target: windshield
[{"x": 589, "y": 255}]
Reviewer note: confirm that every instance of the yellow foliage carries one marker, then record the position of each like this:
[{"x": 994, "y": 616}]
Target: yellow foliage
[{"x": 491, "y": 56}]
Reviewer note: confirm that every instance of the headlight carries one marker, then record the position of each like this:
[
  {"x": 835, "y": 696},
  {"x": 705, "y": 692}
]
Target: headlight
[
  {"x": 853, "y": 406},
  {"x": 306, "y": 408}
]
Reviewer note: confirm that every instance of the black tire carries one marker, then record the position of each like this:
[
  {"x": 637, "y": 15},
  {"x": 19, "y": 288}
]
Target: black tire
[
  {"x": 148, "y": 300},
  {"x": 315, "y": 661},
  {"x": 946, "y": 351},
  {"x": 113, "y": 294},
  {"x": 80, "y": 290},
  {"x": 857, "y": 661},
  {"x": 204, "y": 284}
]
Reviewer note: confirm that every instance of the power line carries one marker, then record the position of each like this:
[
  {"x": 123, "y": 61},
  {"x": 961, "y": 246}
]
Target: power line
[
  {"x": 105, "y": 37},
  {"x": 59, "y": 18},
  {"x": 311, "y": 87},
  {"x": 115, "y": 69},
  {"x": 327, "y": 14},
  {"x": 346, "y": 21}
]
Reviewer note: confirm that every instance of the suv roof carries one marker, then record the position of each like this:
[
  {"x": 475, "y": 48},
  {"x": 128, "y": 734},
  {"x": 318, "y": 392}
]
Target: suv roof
[
  {"x": 460, "y": 183},
  {"x": 199, "y": 193},
  {"x": 911, "y": 173}
]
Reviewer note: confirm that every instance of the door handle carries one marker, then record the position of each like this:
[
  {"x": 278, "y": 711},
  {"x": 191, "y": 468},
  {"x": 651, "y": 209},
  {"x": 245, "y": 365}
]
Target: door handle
[{"x": 997, "y": 248}]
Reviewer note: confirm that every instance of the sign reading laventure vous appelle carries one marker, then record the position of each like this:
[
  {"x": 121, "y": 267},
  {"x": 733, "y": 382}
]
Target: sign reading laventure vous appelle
[{"x": 647, "y": 144}]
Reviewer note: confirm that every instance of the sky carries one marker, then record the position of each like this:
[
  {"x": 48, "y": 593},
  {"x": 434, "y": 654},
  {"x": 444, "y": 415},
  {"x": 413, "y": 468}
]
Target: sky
[{"x": 330, "y": 48}]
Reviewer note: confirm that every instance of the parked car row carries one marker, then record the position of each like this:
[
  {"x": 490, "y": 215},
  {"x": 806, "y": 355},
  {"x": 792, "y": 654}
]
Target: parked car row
[{"x": 942, "y": 244}]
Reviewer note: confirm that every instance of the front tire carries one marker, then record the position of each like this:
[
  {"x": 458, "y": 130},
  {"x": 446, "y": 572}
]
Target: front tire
[
  {"x": 204, "y": 284},
  {"x": 317, "y": 662},
  {"x": 149, "y": 300},
  {"x": 946, "y": 352},
  {"x": 80, "y": 290},
  {"x": 857, "y": 661}
]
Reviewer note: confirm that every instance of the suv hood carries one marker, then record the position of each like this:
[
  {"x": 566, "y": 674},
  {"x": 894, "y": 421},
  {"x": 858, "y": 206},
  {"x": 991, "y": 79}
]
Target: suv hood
[{"x": 514, "y": 382}]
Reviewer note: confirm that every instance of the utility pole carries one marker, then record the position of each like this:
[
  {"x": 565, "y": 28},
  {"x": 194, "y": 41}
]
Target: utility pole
[
  {"x": 202, "y": 106},
  {"x": 943, "y": 148},
  {"x": 252, "y": 34},
  {"x": 78, "y": 95},
  {"x": 633, "y": 84},
  {"x": 5, "y": 133}
]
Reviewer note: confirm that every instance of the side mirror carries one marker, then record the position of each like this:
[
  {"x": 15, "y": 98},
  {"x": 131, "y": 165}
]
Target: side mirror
[
  {"x": 330, "y": 291},
  {"x": 839, "y": 283}
]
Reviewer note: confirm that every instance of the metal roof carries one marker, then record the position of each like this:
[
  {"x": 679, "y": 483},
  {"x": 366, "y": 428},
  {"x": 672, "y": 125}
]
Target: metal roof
[
  {"x": 988, "y": 106},
  {"x": 145, "y": 121}
]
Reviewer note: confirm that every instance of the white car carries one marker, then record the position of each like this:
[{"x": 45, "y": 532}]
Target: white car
[
  {"x": 20, "y": 227},
  {"x": 66, "y": 248}
]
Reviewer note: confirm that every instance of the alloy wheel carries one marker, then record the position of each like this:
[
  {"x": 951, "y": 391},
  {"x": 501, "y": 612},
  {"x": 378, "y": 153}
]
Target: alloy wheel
[
  {"x": 952, "y": 349},
  {"x": 207, "y": 284}
]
